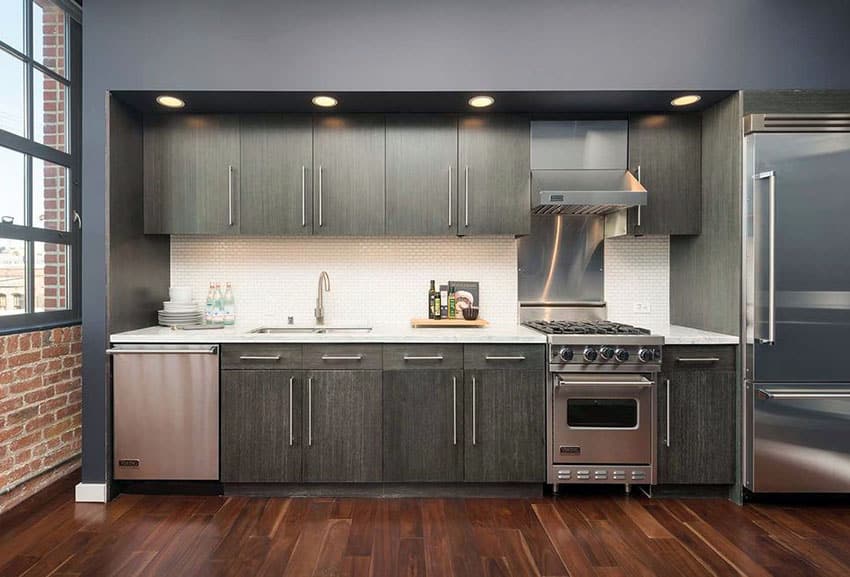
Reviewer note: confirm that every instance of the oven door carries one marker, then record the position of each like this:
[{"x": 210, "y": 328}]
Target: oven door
[{"x": 602, "y": 419}]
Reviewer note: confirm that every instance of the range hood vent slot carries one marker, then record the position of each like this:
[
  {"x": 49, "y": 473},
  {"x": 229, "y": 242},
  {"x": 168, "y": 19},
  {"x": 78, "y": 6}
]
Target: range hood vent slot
[{"x": 585, "y": 192}]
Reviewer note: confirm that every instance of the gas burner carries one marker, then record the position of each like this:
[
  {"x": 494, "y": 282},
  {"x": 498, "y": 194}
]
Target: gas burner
[{"x": 585, "y": 328}]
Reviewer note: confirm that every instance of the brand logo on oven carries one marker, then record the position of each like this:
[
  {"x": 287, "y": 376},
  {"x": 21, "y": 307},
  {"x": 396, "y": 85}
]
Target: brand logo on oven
[{"x": 565, "y": 450}]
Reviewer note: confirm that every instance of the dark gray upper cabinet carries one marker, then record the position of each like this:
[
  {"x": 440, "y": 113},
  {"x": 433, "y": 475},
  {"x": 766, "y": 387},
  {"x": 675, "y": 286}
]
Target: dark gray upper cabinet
[
  {"x": 348, "y": 175},
  {"x": 504, "y": 425},
  {"x": 494, "y": 175},
  {"x": 421, "y": 175},
  {"x": 191, "y": 174},
  {"x": 276, "y": 195},
  {"x": 696, "y": 416},
  {"x": 261, "y": 426},
  {"x": 342, "y": 426},
  {"x": 423, "y": 425},
  {"x": 665, "y": 151}
]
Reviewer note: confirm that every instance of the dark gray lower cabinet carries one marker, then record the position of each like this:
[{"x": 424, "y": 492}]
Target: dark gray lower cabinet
[
  {"x": 697, "y": 444},
  {"x": 423, "y": 425},
  {"x": 342, "y": 426},
  {"x": 504, "y": 425},
  {"x": 261, "y": 426}
]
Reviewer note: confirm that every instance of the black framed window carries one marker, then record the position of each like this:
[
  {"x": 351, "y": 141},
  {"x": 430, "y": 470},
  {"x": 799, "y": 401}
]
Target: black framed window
[{"x": 40, "y": 216}]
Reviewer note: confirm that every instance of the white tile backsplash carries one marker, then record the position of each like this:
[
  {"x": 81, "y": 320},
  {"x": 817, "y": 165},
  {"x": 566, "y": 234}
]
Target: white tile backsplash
[
  {"x": 374, "y": 280},
  {"x": 637, "y": 274}
]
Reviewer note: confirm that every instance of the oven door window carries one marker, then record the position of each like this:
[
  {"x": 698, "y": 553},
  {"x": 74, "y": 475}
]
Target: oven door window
[{"x": 602, "y": 413}]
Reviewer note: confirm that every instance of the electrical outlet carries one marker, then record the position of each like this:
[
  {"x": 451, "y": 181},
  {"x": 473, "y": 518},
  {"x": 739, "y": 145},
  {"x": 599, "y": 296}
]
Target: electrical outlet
[{"x": 641, "y": 307}]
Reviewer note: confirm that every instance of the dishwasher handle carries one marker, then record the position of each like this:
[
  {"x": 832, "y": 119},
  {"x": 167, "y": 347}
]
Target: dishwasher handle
[{"x": 211, "y": 350}]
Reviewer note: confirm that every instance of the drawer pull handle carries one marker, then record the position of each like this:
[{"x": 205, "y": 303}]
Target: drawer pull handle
[
  {"x": 342, "y": 357},
  {"x": 259, "y": 358},
  {"x": 433, "y": 358},
  {"x": 509, "y": 358},
  {"x": 698, "y": 359}
]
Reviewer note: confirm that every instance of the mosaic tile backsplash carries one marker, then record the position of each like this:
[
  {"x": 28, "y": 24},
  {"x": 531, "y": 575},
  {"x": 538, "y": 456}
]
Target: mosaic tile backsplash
[{"x": 637, "y": 272}]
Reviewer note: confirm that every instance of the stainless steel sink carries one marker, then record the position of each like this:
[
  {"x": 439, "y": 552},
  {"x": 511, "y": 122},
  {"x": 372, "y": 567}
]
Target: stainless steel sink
[{"x": 308, "y": 330}]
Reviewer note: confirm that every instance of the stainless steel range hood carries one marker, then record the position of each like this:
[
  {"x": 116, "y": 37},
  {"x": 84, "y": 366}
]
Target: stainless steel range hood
[
  {"x": 578, "y": 167},
  {"x": 585, "y": 192}
]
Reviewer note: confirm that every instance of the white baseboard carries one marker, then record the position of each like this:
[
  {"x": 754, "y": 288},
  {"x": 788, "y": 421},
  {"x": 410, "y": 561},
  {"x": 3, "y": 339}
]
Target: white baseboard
[{"x": 90, "y": 493}]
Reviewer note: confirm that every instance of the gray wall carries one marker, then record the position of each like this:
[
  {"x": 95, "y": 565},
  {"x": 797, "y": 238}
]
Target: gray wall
[{"x": 422, "y": 45}]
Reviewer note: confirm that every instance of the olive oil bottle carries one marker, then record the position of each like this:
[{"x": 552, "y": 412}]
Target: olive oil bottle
[{"x": 432, "y": 299}]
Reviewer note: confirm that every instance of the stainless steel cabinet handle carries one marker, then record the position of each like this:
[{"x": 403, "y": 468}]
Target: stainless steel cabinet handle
[
  {"x": 291, "y": 439},
  {"x": 208, "y": 351},
  {"x": 342, "y": 357},
  {"x": 450, "y": 196},
  {"x": 434, "y": 358},
  {"x": 767, "y": 394},
  {"x": 638, "y": 208},
  {"x": 321, "y": 171},
  {"x": 508, "y": 358},
  {"x": 667, "y": 440},
  {"x": 771, "y": 286},
  {"x": 641, "y": 384},
  {"x": 454, "y": 410},
  {"x": 303, "y": 195},
  {"x": 310, "y": 411},
  {"x": 466, "y": 196},
  {"x": 230, "y": 195},
  {"x": 698, "y": 359},
  {"x": 259, "y": 358},
  {"x": 474, "y": 439}
]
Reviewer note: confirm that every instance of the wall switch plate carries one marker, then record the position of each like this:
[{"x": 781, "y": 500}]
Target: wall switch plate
[{"x": 641, "y": 307}]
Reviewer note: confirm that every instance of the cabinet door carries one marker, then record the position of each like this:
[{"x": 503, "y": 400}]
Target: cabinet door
[
  {"x": 421, "y": 175},
  {"x": 192, "y": 174},
  {"x": 697, "y": 444},
  {"x": 423, "y": 422},
  {"x": 504, "y": 425},
  {"x": 276, "y": 194},
  {"x": 666, "y": 152},
  {"x": 261, "y": 426},
  {"x": 494, "y": 175},
  {"x": 342, "y": 426},
  {"x": 348, "y": 175}
]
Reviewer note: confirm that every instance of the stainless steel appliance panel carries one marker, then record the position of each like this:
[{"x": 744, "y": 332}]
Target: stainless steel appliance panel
[
  {"x": 801, "y": 441},
  {"x": 798, "y": 196},
  {"x": 165, "y": 412}
]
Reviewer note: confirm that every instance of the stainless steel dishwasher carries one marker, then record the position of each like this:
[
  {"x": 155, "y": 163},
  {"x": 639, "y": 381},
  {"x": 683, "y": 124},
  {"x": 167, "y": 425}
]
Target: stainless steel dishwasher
[{"x": 165, "y": 401}]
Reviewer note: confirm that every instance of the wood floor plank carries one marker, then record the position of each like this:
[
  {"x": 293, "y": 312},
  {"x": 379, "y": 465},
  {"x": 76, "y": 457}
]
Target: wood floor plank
[{"x": 566, "y": 544}]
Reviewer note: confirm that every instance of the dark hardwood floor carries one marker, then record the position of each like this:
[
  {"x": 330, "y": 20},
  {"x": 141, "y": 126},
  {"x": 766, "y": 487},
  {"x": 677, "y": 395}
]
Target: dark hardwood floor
[{"x": 583, "y": 535}]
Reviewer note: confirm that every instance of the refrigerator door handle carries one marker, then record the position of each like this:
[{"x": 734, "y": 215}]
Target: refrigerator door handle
[
  {"x": 768, "y": 394},
  {"x": 770, "y": 176}
]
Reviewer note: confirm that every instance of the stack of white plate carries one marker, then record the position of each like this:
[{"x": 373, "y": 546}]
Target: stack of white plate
[{"x": 175, "y": 314}]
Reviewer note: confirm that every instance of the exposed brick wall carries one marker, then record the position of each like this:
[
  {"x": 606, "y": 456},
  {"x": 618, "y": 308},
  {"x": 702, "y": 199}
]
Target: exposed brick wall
[{"x": 40, "y": 400}]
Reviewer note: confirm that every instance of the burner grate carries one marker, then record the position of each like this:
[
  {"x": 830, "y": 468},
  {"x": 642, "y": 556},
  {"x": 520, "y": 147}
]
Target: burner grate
[{"x": 585, "y": 328}]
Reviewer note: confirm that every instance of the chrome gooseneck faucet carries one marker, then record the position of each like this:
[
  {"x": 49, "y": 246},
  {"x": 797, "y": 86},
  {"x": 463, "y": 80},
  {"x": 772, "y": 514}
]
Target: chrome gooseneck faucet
[{"x": 320, "y": 307}]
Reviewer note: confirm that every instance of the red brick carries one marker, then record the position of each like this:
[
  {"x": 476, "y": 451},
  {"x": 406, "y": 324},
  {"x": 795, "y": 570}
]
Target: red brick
[
  {"x": 67, "y": 411},
  {"x": 39, "y": 422},
  {"x": 24, "y": 358},
  {"x": 58, "y": 428},
  {"x": 9, "y": 405},
  {"x": 25, "y": 441},
  {"x": 21, "y": 415},
  {"x": 38, "y": 395},
  {"x": 51, "y": 405},
  {"x": 56, "y": 351},
  {"x": 10, "y": 433},
  {"x": 26, "y": 386}
]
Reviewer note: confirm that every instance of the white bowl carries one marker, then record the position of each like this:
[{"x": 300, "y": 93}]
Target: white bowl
[{"x": 180, "y": 294}]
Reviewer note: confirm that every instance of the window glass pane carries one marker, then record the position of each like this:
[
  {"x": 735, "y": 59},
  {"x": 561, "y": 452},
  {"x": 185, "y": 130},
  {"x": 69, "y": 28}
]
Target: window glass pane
[
  {"x": 12, "y": 276},
  {"x": 12, "y": 95},
  {"x": 49, "y": 195},
  {"x": 12, "y": 186},
  {"x": 52, "y": 262},
  {"x": 48, "y": 35},
  {"x": 12, "y": 23},
  {"x": 49, "y": 111}
]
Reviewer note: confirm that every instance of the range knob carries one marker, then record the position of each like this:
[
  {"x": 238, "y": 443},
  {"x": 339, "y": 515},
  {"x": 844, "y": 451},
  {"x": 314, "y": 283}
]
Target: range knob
[
  {"x": 621, "y": 355},
  {"x": 589, "y": 354},
  {"x": 566, "y": 354},
  {"x": 607, "y": 353},
  {"x": 646, "y": 355}
]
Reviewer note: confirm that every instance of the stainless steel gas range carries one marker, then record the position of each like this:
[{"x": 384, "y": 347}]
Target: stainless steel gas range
[{"x": 601, "y": 402}]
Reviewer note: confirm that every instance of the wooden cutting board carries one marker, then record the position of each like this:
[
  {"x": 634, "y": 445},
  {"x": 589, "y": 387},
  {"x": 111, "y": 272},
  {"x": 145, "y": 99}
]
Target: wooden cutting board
[{"x": 448, "y": 323}]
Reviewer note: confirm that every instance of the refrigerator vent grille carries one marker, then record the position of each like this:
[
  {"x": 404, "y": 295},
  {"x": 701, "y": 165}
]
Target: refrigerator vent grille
[{"x": 797, "y": 123}]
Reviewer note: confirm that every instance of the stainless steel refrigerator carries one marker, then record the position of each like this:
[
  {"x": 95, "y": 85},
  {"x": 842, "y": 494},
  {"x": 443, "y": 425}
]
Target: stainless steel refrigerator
[{"x": 796, "y": 284}]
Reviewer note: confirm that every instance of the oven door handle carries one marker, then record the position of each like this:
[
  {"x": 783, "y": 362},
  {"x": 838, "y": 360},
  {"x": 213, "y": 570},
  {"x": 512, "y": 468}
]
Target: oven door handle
[{"x": 642, "y": 384}]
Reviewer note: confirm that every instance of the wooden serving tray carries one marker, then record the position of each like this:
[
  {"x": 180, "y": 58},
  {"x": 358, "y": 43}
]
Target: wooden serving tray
[{"x": 448, "y": 323}]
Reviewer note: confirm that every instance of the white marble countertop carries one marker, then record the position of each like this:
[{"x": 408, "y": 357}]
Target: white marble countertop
[
  {"x": 378, "y": 334},
  {"x": 679, "y": 335}
]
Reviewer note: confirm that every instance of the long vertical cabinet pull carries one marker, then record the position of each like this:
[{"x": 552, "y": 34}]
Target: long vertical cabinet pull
[
  {"x": 310, "y": 412},
  {"x": 450, "y": 196},
  {"x": 474, "y": 438},
  {"x": 291, "y": 438},
  {"x": 667, "y": 439},
  {"x": 229, "y": 195},
  {"x": 303, "y": 195},
  {"x": 466, "y": 196},
  {"x": 321, "y": 171},
  {"x": 638, "y": 208},
  {"x": 454, "y": 410}
]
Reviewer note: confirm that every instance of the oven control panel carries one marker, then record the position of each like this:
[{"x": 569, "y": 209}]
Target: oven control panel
[{"x": 611, "y": 356}]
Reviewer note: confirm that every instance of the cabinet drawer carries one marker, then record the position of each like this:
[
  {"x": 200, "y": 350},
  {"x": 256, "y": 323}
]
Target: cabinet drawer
[
  {"x": 411, "y": 357},
  {"x": 700, "y": 357},
  {"x": 504, "y": 356},
  {"x": 365, "y": 356},
  {"x": 253, "y": 356}
]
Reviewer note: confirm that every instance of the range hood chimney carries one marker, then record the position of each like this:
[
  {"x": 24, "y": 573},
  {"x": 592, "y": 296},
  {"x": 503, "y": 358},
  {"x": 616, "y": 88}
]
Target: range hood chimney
[{"x": 579, "y": 168}]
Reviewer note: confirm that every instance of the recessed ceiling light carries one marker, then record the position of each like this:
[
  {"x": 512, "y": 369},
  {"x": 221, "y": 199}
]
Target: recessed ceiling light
[
  {"x": 481, "y": 101},
  {"x": 170, "y": 101},
  {"x": 324, "y": 101},
  {"x": 686, "y": 100}
]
